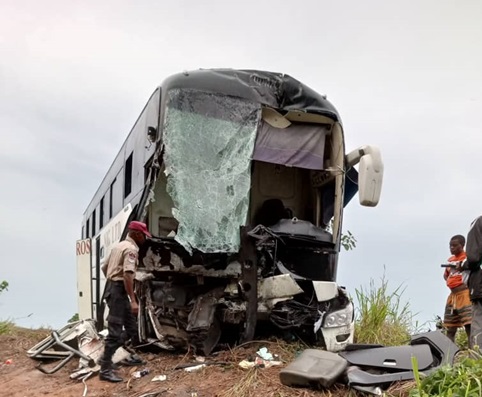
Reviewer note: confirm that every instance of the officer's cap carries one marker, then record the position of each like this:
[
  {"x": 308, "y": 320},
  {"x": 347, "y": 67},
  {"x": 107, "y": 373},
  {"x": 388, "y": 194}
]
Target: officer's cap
[{"x": 140, "y": 227}]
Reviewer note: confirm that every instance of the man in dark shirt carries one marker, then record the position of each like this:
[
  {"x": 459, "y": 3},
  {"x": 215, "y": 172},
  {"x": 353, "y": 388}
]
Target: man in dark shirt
[{"x": 473, "y": 263}]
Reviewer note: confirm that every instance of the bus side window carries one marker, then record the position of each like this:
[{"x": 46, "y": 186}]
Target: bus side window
[
  {"x": 93, "y": 223},
  {"x": 111, "y": 195},
  {"x": 128, "y": 176}
]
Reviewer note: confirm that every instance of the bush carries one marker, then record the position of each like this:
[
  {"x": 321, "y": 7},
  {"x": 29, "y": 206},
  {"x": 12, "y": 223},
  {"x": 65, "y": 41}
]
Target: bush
[
  {"x": 381, "y": 318},
  {"x": 461, "y": 379},
  {"x": 3, "y": 286},
  {"x": 74, "y": 318},
  {"x": 6, "y": 327}
]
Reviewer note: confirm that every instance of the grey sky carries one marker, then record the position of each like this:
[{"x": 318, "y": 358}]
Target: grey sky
[{"x": 74, "y": 76}]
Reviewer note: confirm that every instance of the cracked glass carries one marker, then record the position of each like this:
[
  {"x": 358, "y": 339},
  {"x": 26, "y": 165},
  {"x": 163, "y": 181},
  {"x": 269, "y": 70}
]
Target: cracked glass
[{"x": 209, "y": 141}]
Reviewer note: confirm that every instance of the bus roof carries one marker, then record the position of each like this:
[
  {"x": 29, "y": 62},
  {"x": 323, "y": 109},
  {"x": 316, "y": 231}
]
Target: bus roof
[{"x": 275, "y": 90}]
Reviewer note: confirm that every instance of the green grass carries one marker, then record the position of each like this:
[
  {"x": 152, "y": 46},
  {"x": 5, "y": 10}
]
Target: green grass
[
  {"x": 461, "y": 379},
  {"x": 6, "y": 327},
  {"x": 381, "y": 317}
]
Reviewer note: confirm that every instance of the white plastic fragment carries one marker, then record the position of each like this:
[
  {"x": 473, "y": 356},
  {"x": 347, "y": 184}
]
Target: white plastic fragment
[
  {"x": 195, "y": 368},
  {"x": 264, "y": 354}
]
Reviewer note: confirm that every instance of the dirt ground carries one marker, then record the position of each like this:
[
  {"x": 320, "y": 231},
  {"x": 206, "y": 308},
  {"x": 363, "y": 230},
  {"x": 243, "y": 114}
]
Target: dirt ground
[{"x": 20, "y": 378}]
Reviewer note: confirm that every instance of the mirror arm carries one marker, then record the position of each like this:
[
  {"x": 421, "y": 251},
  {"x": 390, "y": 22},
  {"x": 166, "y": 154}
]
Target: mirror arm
[{"x": 354, "y": 156}]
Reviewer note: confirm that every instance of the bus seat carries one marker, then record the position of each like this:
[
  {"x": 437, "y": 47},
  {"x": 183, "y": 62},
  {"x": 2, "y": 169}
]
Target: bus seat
[{"x": 271, "y": 212}]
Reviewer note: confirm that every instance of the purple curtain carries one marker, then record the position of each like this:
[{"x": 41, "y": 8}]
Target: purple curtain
[{"x": 299, "y": 145}]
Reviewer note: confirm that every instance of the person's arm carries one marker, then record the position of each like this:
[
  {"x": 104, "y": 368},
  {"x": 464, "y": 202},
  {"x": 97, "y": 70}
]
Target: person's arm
[
  {"x": 105, "y": 265},
  {"x": 446, "y": 274},
  {"x": 474, "y": 246},
  {"x": 129, "y": 286},
  {"x": 130, "y": 264}
]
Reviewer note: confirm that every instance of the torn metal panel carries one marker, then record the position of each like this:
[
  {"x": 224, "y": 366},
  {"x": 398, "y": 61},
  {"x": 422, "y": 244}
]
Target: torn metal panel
[
  {"x": 271, "y": 290},
  {"x": 205, "y": 341},
  {"x": 157, "y": 261},
  {"x": 325, "y": 290},
  {"x": 212, "y": 137},
  {"x": 57, "y": 343},
  {"x": 201, "y": 316},
  {"x": 159, "y": 330},
  {"x": 166, "y": 294},
  {"x": 276, "y": 287},
  {"x": 232, "y": 312},
  {"x": 94, "y": 348},
  {"x": 67, "y": 334},
  {"x": 63, "y": 345},
  {"x": 79, "y": 339},
  {"x": 233, "y": 269}
]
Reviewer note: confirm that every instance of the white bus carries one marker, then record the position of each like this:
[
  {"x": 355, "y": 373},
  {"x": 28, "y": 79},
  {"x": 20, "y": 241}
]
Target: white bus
[{"x": 242, "y": 177}]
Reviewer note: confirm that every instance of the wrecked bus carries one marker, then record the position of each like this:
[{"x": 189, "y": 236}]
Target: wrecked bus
[{"x": 242, "y": 177}]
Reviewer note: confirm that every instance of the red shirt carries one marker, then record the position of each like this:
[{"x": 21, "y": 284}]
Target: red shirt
[{"x": 454, "y": 277}]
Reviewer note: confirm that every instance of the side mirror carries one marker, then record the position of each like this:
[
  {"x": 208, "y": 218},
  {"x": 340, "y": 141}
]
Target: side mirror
[
  {"x": 151, "y": 134},
  {"x": 370, "y": 178},
  {"x": 370, "y": 174}
]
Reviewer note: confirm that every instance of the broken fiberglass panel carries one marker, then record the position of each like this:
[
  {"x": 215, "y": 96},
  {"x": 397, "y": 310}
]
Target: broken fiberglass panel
[{"x": 209, "y": 141}]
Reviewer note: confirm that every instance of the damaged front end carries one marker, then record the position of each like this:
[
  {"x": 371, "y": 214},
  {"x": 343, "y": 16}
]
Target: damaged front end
[
  {"x": 270, "y": 286},
  {"x": 240, "y": 207}
]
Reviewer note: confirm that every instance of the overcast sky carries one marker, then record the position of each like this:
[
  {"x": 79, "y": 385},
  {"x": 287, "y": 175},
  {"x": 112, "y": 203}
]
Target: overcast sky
[{"x": 74, "y": 76}]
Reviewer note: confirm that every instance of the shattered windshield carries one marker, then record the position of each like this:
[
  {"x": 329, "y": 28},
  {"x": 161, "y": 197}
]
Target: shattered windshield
[{"x": 209, "y": 140}]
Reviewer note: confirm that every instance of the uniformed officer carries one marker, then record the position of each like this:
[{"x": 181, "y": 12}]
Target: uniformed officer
[{"x": 119, "y": 270}]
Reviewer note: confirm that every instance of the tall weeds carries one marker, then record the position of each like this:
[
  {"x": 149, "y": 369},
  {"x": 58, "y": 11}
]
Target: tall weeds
[
  {"x": 381, "y": 317},
  {"x": 6, "y": 326}
]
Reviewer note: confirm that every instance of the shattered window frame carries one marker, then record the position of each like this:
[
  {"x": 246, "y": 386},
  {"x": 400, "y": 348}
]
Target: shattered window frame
[{"x": 209, "y": 141}]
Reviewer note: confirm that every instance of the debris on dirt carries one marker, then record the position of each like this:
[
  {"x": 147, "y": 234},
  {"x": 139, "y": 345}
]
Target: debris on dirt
[
  {"x": 259, "y": 363},
  {"x": 85, "y": 384},
  {"x": 222, "y": 377},
  {"x": 190, "y": 367},
  {"x": 159, "y": 378},
  {"x": 200, "y": 359},
  {"x": 195, "y": 368},
  {"x": 265, "y": 354},
  {"x": 141, "y": 373}
]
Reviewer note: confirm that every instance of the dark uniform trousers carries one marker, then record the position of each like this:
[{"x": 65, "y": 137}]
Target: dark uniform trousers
[{"x": 122, "y": 324}]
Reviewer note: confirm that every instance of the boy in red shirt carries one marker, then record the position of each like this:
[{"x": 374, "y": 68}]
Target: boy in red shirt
[{"x": 458, "y": 309}]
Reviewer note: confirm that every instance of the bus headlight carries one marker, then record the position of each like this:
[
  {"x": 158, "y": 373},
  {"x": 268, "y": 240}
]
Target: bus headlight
[{"x": 339, "y": 318}]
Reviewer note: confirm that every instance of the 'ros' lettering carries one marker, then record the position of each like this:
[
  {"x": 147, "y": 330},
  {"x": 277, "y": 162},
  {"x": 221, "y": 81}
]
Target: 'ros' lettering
[{"x": 83, "y": 247}]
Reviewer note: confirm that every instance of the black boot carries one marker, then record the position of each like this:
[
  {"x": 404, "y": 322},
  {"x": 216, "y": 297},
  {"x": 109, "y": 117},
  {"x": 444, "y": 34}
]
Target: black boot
[
  {"x": 107, "y": 373},
  {"x": 132, "y": 361}
]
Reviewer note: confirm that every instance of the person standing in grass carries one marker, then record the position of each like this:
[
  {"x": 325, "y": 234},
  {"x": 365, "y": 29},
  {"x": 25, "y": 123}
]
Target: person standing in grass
[{"x": 458, "y": 309}]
